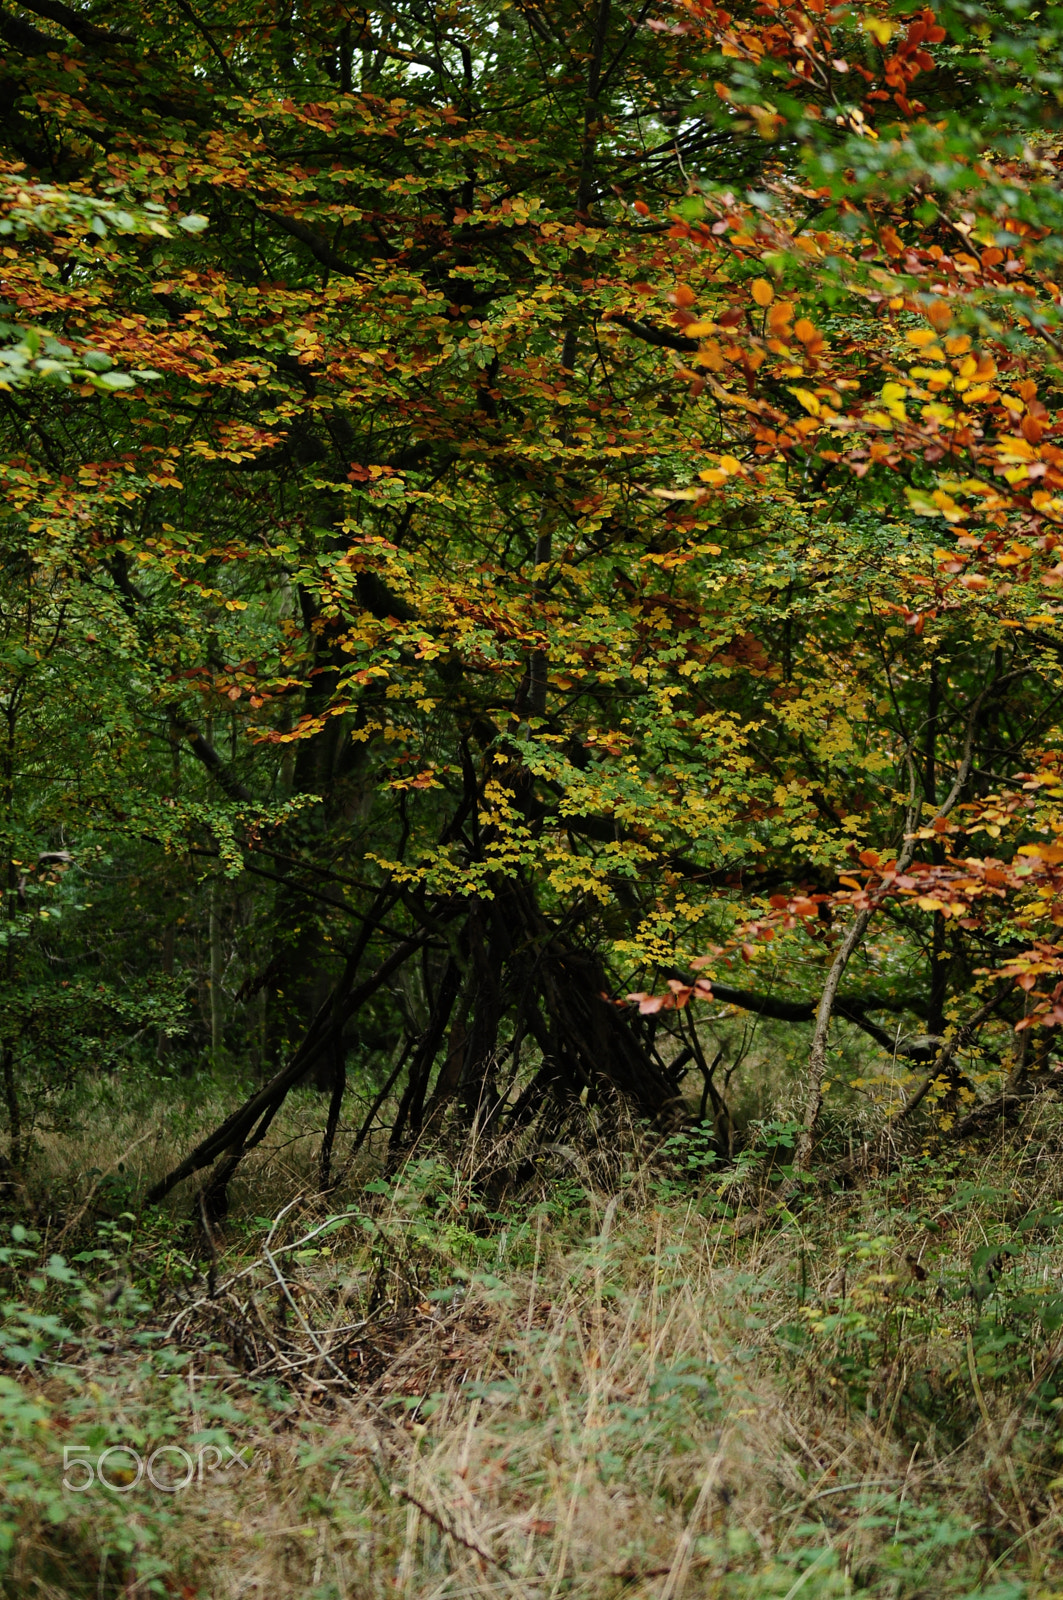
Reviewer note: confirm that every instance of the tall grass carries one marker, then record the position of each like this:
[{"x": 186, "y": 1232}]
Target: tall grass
[{"x": 632, "y": 1378}]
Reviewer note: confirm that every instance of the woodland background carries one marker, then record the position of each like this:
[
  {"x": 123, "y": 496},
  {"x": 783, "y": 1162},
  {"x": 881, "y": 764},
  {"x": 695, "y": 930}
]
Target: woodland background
[{"x": 531, "y": 796}]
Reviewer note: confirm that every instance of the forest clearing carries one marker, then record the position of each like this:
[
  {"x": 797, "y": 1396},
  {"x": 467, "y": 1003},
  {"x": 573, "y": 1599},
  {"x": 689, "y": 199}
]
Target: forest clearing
[{"x": 531, "y": 799}]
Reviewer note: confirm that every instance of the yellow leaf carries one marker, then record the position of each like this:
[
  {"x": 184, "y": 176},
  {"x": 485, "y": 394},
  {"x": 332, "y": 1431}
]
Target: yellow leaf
[
  {"x": 808, "y": 400},
  {"x": 880, "y": 29},
  {"x": 763, "y": 293}
]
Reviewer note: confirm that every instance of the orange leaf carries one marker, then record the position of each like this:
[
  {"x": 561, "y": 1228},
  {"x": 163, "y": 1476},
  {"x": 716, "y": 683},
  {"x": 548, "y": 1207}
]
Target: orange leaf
[
  {"x": 779, "y": 317},
  {"x": 648, "y": 1004},
  {"x": 763, "y": 293},
  {"x": 684, "y": 295}
]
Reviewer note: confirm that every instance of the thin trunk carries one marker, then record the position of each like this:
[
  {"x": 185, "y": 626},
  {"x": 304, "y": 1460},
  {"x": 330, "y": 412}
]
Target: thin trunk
[
  {"x": 367, "y": 1126},
  {"x": 589, "y": 148},
  {"x": 817, "y": 1057},
  {"x": 490, "y": 954},
  {"x": 169, "y": 943},
  {"x": 339, "y": 1085},
  {"x": 14, "y": 1115},
  {"x": 260, "y": 1033},
  {"x": 411, "y": 1106},
  {"x": 939, "y": 967},
  {"x": 217, "y": 972},
  {"x": 539, "y": 664},
  {"x": 163, "y": 1050}
]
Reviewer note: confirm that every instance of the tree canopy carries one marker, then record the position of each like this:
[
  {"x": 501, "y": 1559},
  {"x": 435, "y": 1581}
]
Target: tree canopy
[{"x": 517, "y": 520}]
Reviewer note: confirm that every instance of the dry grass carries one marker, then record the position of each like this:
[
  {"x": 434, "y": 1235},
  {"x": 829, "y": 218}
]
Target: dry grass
[{"x": 623, "y": 1395}]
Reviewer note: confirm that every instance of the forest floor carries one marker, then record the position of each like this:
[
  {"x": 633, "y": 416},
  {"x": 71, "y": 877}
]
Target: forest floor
[{"x": 633, "y": 1378}]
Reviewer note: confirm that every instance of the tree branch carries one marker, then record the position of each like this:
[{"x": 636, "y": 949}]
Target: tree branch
[
  {"x": 319, "y": 1037},
  {"x": 853, "y": 1009},
  {"x": 651, "y": 335},
  {"x": 206, "y": 753},
  {"x": 74, "y": 22}
]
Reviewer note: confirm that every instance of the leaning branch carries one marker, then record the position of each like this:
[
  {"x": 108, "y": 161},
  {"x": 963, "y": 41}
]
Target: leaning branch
[
  {"x": 319, "y": 1038},
  {"x": 78, "y": 24}
]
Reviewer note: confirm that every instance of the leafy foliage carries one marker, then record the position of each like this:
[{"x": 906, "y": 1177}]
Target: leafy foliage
[{"x": 521, "y": 502}]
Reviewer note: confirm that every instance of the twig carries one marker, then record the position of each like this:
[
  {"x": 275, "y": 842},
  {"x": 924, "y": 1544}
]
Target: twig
[
  {"x": 307, "y": 1329},
  {"x": 286, "y": 1249},
  {"x": 452, "y": 1533},
  {"x": 823, "y": 1494}
]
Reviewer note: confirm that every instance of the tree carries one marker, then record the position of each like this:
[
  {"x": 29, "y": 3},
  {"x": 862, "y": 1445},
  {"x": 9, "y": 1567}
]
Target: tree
[
  {"x": 891, "y": 340},
  {"x": 522, "y": 566}
]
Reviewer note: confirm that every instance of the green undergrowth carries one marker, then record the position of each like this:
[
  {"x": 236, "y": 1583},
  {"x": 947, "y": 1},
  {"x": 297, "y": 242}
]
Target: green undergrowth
[{"x": 647, "y": 1377}]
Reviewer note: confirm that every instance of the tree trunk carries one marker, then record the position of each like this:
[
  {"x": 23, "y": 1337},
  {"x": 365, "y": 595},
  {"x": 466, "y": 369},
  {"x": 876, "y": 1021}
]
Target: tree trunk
[{"x": 217, "y": 973}]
